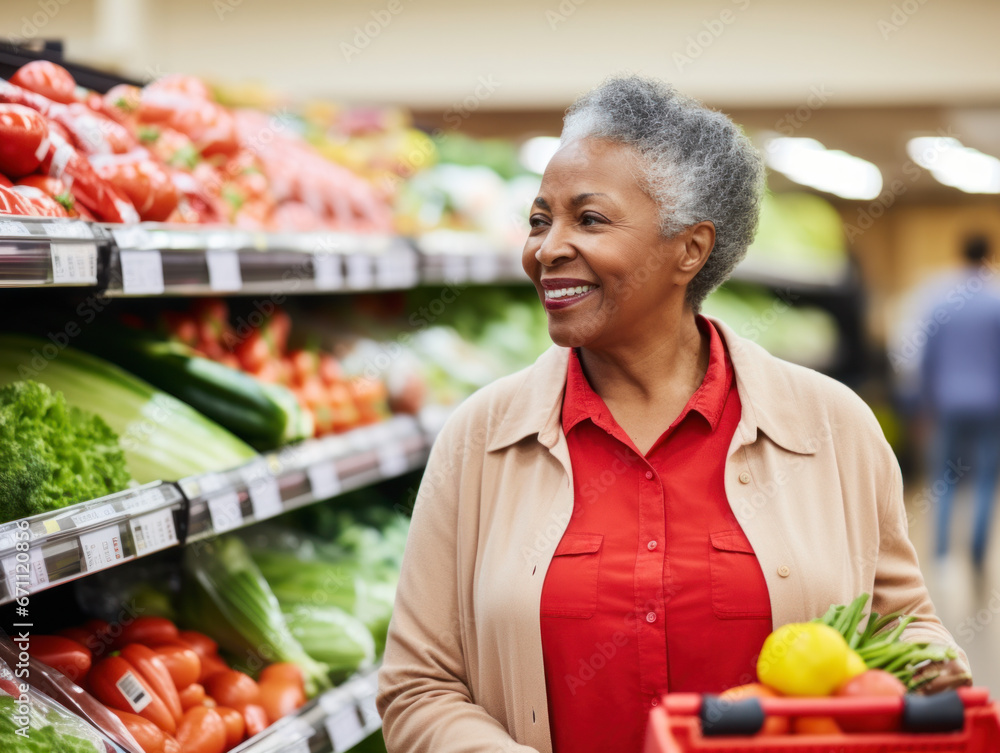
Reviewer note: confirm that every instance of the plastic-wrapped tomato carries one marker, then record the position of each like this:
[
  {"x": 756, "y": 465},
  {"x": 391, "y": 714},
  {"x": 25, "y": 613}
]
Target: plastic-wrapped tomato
[
  {"x": 24, "y": 139},
  {"x": 53, "y": 187},
  {"x": 48, "y": 79},
  {"x": 12, "y": 203},
  {"x": 145, "y": 182},
  {"x": 39, "y": 202},
  {"x": 189, "y": 86}
]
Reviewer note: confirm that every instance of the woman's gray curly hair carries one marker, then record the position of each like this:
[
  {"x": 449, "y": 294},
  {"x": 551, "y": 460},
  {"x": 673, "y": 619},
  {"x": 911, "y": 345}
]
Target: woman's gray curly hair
[{"x": 696, "y": 164}]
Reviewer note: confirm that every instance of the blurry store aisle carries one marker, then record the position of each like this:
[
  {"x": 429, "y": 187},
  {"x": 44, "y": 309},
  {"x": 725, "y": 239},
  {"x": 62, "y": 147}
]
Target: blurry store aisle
[{"x": 968, "y": 606}]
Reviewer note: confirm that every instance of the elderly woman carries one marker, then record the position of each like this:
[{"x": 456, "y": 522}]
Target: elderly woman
[{"x": 635, "y": 512}]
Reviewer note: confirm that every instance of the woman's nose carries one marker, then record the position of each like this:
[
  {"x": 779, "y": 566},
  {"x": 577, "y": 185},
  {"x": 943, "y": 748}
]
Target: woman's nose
[{"x": 557, "y": 246}]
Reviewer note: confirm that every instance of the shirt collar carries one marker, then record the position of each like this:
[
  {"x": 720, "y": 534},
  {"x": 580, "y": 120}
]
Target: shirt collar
[
  {"x": 580, "y": 402},
  {"x": 770, "y": 395}
]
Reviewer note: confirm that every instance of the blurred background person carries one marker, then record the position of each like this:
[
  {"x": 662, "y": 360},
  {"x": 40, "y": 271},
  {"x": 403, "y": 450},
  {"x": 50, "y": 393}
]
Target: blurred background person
[{"x": 959, "y": 389}]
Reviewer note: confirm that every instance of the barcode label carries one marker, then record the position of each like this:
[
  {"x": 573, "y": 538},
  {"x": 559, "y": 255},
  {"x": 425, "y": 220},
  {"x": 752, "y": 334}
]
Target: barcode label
[
  {"x": 153, "y": 532},
  {"x": 145, "y": 499},
  {"x": 90, "y": 516},
  {"x": 344, "y": 729},
  {"x": 133, "y": 691},
  {"x": 74, "y": 262},
  {"x": 225, "y": 512},
  {"x": 142, "y": 272},
  {"x": 327, "y": 274},
  {"x": 323, "y": 480},
  {"x": 224, "y": 270}
]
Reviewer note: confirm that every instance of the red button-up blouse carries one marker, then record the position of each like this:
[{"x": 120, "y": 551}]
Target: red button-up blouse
[{"x": 654, "y": 586}]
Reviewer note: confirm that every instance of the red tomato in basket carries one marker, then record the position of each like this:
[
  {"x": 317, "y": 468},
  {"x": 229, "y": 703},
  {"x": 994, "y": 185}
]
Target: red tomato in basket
[{"x": 874, "y": 682}]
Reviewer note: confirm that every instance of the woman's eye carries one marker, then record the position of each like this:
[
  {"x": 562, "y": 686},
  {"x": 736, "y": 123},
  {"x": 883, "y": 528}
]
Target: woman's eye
[
  {"x": 589, "y": 219},
  {"x": 536, "y": 221}
]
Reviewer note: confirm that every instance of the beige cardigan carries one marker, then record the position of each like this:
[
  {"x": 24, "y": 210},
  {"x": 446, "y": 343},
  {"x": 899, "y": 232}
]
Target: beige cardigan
[{"x": 809, "y": 477}]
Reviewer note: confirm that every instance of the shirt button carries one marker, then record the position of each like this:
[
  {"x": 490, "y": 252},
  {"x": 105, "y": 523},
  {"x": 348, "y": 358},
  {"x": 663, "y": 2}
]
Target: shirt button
[
  {"x": 649, "y": 474},
  {"x": 651, "y": 617},
  {"x": 744, "y": 478},
  {"x": 784, "y": 571},
  {"x": 651, "y": 545},
  {"x": 655, "y": 702}
]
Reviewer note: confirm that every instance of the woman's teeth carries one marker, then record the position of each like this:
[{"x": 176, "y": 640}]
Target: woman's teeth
[{"x": 563, "y": 292}]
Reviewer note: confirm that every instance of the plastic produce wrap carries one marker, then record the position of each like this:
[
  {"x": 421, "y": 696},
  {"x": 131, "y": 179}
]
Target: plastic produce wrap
[{"x": 37, "y": 723}]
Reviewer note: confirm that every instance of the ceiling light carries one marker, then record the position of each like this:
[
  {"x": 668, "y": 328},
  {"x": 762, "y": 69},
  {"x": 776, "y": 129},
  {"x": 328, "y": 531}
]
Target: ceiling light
[
  {"x": 535, "y": 153},
  {"x": 956, "y": 165},
  {"x": 808, "y": 162}
]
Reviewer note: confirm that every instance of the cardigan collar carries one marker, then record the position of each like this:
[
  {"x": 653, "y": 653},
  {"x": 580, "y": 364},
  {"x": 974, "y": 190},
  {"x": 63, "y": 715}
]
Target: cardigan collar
[{"x": 769, "y": 396}]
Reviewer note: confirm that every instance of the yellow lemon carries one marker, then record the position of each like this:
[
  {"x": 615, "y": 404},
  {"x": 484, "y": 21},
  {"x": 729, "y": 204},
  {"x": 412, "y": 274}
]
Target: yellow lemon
[
  {"x": 855, "y": 664},
  {"x": 804, "y": 659}
]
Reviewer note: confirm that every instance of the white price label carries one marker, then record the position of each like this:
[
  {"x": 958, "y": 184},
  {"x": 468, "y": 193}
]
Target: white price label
[
  {"x": 265, "y": 496},
  {"x": 391, "y": 459},
  {"x": 92, "y": 516},
  {"x": 456, "y": 268},
  {"x": 323, "y": 480},
  {"x": 153, "y": 532},
  {"x": 133, "y": 691},
  {"x": 102, "y": 548},
  {"x": 225, "y": 512},
  {"x": 12, "y": 227},
  {"x": 369, "y": 711},
  {"x": 142, "y": 272},
  {"x": 360, "y": 273},
  {"x": 145, "y": 499},
  {"x": 68, "y": 230},
  {"x": 74, "y": 262},
  {"x": 327, "y": 272},
  {"x": 25, "y": 573},
  {"x": 344, "y": 729},
  {"x": 224, "y": 270}
]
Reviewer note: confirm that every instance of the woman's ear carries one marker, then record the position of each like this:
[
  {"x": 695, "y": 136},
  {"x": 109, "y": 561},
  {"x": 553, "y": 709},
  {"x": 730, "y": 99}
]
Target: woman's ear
[{"x": 698, "y": 241}]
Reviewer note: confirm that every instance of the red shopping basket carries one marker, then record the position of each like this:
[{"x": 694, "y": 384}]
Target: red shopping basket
[{"x": 965, "y": 721}]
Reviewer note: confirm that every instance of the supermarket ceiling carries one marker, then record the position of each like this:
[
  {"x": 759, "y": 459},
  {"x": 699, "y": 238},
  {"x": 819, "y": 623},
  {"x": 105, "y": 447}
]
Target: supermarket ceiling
[
  {"x": 542, "y": 53},
  {"x": 859, "y": 75}
]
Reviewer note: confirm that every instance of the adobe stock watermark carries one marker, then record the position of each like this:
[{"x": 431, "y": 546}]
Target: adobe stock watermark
[
  {"x": 697, "y": 43},
  {"x": 33, "y": 25},
  {"x": 366, "y": 33},
  {"x": 877, "y": 207},
  {"x": 562, "y": 12},
  {"x": 972, "y": 626},
  {"x": 900, "y": 16},
  {"x": 792, "y": 121},
  {"x": 912, "y": 345}
]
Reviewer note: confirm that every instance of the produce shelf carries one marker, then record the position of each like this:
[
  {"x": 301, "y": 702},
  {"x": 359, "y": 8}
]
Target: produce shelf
[
  {"x": 49, "y": 251},
  {"x": 63, "y": 545},
  {"x": 333, "y": 722},
  {"x": 56, "y": 547}
]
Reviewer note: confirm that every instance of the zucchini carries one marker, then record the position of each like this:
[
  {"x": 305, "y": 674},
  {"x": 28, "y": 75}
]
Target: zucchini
[
  {"x": 265, "y": 415},
  {"x": 162, "y": 437}
]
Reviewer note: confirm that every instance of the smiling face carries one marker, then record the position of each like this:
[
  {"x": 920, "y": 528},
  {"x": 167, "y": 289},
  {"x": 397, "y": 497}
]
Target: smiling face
[{"x": 595, "y": 253}]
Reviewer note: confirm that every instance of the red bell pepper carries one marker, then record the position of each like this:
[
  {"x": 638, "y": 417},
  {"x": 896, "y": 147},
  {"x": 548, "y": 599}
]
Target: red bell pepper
[
  {"x": 155, "y": 673},
  {"x": 116, "y": 683},
  {"x": 62, "y": 654}
]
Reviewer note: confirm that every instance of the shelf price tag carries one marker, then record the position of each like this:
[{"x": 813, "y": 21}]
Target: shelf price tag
[
  {"x": 145, "y": 499},
  {"x": 344, "y": 728},
  {"x": 323, "y": 480},
  {"x": 225, "y": 512},
  {"x": 153, "y": 532},
  {"x": 25, "y": 572},
  {"x": 90, "y": 516},
  {"x": 391, "y": 459},
  {"x": 265, "y": 495},
  {"x": 71, "y": 229},
  {"x": 360, "y": 274},
  {"x": 224, "y": 273},
  {"x": 142, "y": 272},
  {"x": 74, "y": 262},
  {"x": 102, "y": 548},
  {"x": 327, "y": 273},
  {"x": 12, "y": 227}
]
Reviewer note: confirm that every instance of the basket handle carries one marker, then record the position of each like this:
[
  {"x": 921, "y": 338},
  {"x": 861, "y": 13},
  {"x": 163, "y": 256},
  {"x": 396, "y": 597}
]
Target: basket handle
[{"x": 944, "y": 712}]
